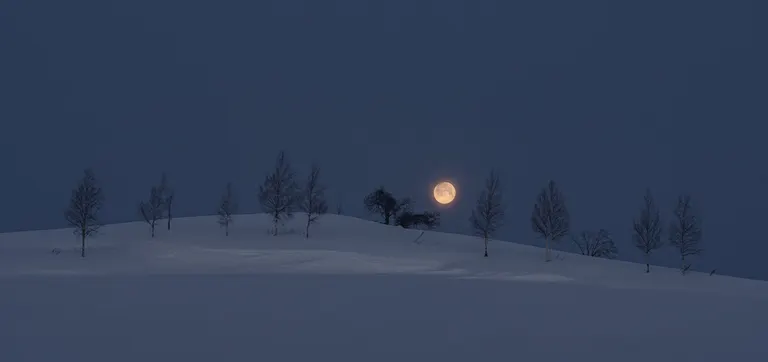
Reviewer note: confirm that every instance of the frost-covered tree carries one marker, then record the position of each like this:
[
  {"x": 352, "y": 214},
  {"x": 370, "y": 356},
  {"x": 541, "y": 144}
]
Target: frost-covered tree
[
  {"x": 488, "y": 215},
  {"x": 152, "y": 210},
  {"x": 227, "y": 209},
  {"x": 84, "y": 206},
  {"x": 550, "y": 217},
  {"x": 313, "y": 202},
  {"x": 685, "y": 231},
  {"x": 279, "y": 194},
  {"x": 598, "y": 244},
  {"x": 647, "y": 230}
]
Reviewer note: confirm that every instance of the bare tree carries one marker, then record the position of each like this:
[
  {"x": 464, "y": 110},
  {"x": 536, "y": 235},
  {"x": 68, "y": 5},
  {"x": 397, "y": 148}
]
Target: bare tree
[
  {"x": 598, "y": 244},
  {"x": 279, "y": 193},
  {"x": 550, "y": 217},
  {"x": 488, "y": 215},
  {"x": 84, "y": 206},
  {"x": 227, "y": 207},
  {"x": 685, "y": 231},
  {"x": 409, "y": 219},
  {"x": 381, "y": 202},
  {"x": 647, "y": 230},
  {"x": 166, "y": 193},
  {"x": 314, "y": 203},
  {"x": 152, "y": 210}
]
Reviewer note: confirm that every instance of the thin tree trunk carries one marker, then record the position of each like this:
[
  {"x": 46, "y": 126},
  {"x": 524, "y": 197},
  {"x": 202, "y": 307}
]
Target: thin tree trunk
[
  {"x": 682, "y": 265},
  {"x": 274, "y": 222},
  {"x": 82, "y": 245},
  {"x": 226, "y": 229},
  {"x": 486, "y": 247},
  {"x": 647, "y": 263},
  {"x": 546, "y": 249},
  {"x": 306, "y": 232}
]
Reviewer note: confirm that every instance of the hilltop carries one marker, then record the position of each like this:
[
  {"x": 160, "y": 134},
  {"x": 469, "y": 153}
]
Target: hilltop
[{"x": 355, "y": 290}]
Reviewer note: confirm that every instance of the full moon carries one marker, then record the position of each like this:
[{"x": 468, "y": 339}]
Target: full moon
[{"x": 444, "y": 193}]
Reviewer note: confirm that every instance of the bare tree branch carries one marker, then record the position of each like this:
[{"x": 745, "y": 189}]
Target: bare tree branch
[
  {"x": 598, "y": 244},
  {"x": 408, "y": 219},
  {"x": 84, "y": 206},
  {"x": 279, "y": 194},
  {"x": 152, "y": 210},
  {"x": 647, "y": 230},
  {"x": 381, "y": 202},
  {"x": 488, "y": 215},
  {"x": 314, "y": 203},
  {"x": 685, "y": 231},
  {"x": 550, "y": 217}
]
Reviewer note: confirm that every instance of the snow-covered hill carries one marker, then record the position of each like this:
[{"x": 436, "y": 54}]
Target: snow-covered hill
[{"x": 355, "y": 291}]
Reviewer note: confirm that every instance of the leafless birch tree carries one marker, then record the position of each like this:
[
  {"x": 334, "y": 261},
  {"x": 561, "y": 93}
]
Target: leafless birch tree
[
  {"x": 313, "y": 203},
  {"x": 550, "y": 217},
  {"x": 685, "y": 231},
  {"x": 647, "y": 230},
  {"x": 488, "y": 215},
  {"x": 279, "y": 194},
  {"x": 84, "y": 206},
  {"x": 152, "y": 209}
]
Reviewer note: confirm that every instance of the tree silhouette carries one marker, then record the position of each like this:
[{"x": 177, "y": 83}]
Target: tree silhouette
[
  {"x": 647, "y": 230},
  {"x": 381, "y": 202},
  {"x": 84, "y": 206},
  {"x": 488, "y": 215},
  {"x": 550, "y": 217},
  {"x": 314, "y": 203},
  {"x": 409, "y": 219},
  {"x": 598, "y": 244},
  {"x": 152, "y": 210},
  {"x": 279, "y": 193},
  {"x": 685, "y": 231}
]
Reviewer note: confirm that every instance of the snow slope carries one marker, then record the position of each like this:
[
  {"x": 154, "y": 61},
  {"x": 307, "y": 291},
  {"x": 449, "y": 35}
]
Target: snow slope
[{"x": 355, "y": 291}]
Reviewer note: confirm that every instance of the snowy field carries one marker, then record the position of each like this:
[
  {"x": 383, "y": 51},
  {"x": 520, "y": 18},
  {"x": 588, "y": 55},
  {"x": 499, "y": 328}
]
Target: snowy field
[{"x": 355, "y": 291}]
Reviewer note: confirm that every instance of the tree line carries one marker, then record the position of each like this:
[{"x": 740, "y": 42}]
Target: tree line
[
  {"x": 551, "y": 221},
  {"x": 282, "y": 193}
]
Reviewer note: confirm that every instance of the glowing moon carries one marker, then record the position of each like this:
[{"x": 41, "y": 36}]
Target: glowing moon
[{"x": 444, "y": 193}]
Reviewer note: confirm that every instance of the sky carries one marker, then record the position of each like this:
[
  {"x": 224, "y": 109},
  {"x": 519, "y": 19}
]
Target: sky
[{"x": 607, "y": 98}]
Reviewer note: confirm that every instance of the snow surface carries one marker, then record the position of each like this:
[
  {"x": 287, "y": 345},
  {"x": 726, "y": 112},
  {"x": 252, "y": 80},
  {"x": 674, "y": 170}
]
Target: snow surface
[{"x": 355, "y": 291}]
